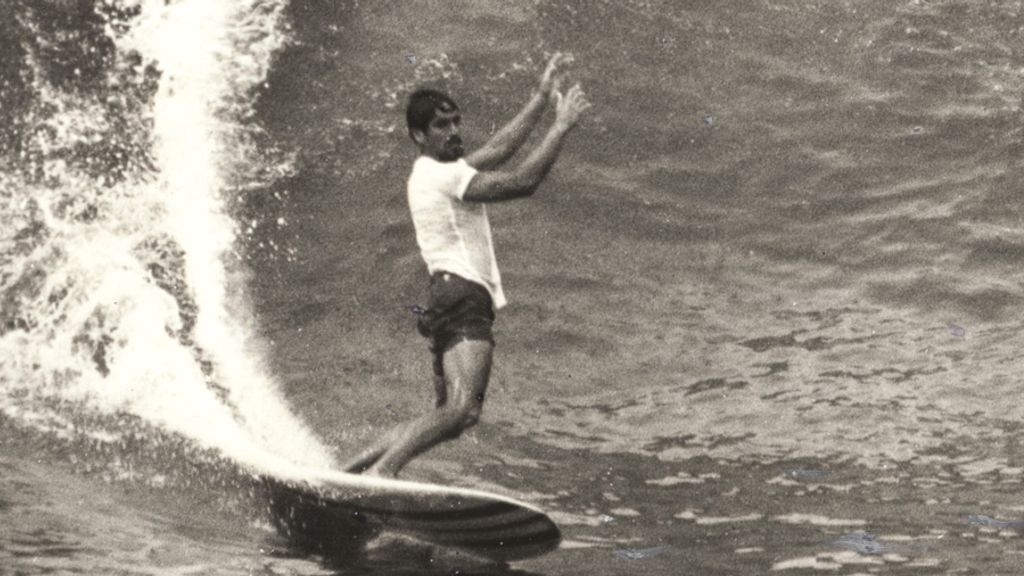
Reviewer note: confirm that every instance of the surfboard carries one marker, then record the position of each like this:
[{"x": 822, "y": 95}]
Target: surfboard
[{"x": 336, "y": 512}]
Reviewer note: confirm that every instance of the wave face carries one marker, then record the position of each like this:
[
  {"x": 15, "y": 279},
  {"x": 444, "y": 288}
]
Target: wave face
[{"x": 129, "y": 147}]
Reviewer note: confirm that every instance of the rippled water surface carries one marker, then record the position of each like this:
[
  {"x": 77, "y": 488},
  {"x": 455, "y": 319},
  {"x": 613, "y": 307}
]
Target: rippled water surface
[{"x": 764, "y": 313}]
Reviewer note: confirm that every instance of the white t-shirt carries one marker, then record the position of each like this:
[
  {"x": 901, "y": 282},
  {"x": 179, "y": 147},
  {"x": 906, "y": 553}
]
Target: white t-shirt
[{"x": 453, "y": 235}]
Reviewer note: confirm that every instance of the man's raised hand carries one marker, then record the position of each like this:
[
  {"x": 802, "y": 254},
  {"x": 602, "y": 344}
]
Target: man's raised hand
[
  {"x": 549, "y": 80},
  {"x": 569, "y": 106}
]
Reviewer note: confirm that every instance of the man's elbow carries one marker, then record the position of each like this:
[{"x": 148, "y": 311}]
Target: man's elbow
[
  {"x": 502, "y": 187},
  {"x": 523, "y": 187},
  {"x": 529, "y": 190}
]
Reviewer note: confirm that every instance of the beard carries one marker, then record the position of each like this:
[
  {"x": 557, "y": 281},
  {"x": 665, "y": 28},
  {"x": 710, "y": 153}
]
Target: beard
[{"x": 452, "y": 150}]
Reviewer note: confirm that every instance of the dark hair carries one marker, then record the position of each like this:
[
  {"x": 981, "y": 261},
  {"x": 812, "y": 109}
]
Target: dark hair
[{"x": 423, "y": 106}]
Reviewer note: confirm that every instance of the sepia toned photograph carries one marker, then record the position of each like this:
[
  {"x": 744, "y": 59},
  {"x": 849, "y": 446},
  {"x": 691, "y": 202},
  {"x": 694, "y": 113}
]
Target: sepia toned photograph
[{"x": 520, "y": 288}]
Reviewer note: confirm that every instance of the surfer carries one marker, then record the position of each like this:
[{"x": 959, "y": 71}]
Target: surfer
[{"x": 447, "y": 192}]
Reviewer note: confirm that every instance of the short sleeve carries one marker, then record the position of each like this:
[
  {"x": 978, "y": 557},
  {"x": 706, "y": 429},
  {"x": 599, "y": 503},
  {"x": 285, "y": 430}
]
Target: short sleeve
[
  {"x": 450, "y": 179},
  {"x": 463, "y": 174}
]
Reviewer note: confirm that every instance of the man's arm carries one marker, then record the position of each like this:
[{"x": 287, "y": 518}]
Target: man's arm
[
  {"x": 523, "y": 181},
  {"x": 511, "y": 136}
]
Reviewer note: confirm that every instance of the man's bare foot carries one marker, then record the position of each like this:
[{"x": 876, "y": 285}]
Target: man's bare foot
[
  {"x": 357, "y": 468},
  {"x": 363, "y": 462},
  {"x": 378, "y": 473}
]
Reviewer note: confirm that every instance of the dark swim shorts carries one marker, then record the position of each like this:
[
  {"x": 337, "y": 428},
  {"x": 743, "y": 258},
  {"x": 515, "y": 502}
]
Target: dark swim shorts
[{"x": 458, "y": 310}]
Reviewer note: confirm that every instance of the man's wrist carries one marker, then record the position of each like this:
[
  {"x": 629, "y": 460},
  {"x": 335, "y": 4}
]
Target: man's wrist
[{"x": 562, "y": 126}]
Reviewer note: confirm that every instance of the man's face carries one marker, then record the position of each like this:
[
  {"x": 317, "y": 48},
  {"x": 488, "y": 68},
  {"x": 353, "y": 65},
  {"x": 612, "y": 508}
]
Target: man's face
[{"x": 441, "y": 140}]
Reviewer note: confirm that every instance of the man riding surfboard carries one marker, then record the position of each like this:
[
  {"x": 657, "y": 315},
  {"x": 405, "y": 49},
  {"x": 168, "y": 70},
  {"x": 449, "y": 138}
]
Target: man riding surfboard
[{"x": 448, "y": 191}]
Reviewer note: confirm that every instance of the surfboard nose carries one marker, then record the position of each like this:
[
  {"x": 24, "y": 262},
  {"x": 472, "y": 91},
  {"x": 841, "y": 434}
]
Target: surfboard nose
[{"x": 498, "y": 530}]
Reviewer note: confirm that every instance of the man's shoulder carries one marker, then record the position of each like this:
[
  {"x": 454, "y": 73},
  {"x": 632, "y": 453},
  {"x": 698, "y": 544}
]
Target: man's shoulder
[
  {"x": 424, "y": 162},
  {"x": 427, "y": 171}
]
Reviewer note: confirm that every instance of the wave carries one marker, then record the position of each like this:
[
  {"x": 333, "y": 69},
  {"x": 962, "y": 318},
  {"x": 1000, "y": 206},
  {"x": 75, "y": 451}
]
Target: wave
[{"x": 123, "y": 273}]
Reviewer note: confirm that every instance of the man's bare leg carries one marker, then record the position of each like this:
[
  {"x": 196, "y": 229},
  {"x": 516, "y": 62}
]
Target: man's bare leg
[
  {"x": 369, "y": 456},
  {"x": 467, "y": 369}
]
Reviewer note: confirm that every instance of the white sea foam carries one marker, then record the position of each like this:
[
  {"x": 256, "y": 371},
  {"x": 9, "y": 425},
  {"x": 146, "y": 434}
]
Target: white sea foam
[
  {"x": 98, "y": 331},
  {"x": 817, "y": 520},
  {"x": 712, "y": 520},
  {"x": 229, "y": 52},
  {"x": 828, "y": 561}
]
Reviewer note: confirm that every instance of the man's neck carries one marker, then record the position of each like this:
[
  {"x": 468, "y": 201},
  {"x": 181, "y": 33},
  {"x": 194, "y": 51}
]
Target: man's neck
[{"x": 436, "y": 158}]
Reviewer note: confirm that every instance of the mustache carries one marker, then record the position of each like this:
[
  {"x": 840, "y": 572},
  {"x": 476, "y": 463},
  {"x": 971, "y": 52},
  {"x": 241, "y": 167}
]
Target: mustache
[{"x": 453, "y": 141}]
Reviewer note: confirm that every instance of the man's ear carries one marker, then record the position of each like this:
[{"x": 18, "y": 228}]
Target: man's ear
[{"x": 418, "y": 136}]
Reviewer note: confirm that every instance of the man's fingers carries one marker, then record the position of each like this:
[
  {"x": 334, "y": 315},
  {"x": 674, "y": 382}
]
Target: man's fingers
[
  {"x": 574, "y": 92},
  {"x": 558, "y": 59},
  {"x": 580, "y": 101}
]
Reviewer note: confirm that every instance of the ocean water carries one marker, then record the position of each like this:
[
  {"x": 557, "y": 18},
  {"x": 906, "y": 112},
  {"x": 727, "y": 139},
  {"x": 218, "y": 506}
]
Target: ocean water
[{"x": 764, "y": 312}]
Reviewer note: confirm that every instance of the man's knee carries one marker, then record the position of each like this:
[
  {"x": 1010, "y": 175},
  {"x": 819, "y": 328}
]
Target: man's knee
[
  {"x": 469, "y": 411},
  {"x": 452, "y": 421},
  {"x": 452, "y": 433},
  {"x": 466, "y": 415},
  {"x": 470, "y": 418}
]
